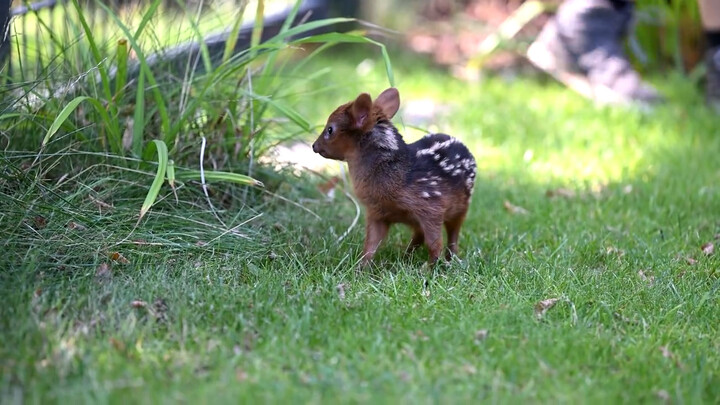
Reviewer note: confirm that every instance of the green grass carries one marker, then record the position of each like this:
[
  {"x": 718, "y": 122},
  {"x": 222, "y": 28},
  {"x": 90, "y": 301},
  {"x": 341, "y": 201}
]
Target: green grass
[{"x": 259, "y": 316}]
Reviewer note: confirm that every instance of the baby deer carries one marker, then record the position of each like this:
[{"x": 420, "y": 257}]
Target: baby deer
[{"x": 425, "y": 184}]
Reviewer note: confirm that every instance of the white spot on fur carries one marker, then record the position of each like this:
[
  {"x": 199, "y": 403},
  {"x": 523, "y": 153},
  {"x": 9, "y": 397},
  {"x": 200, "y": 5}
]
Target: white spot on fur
[
  {"x": 437, "y": 193},
  {"x": 433, "y": 183},
  {"x": 456, "y": 172},
  {"x": 435, "y": 147},
  {"x": 425, "y": 194},
  {"x": 384, "y": 137}
]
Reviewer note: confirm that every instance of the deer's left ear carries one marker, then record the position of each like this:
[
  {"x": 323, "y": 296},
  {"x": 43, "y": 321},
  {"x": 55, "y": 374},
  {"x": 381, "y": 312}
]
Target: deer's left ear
[
  {"x": 389, "y": 102},
  {"x": 360, "y": 110}
]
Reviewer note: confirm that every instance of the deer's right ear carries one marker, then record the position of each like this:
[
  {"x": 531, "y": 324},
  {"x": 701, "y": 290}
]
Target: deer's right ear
[
  {"x": 360, "y": 111},
  {"x": 389, "y": 102}
]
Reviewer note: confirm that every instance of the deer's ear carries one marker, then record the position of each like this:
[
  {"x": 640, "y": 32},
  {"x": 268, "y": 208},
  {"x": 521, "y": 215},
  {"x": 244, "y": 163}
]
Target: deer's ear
[
  {"x": 360, "y": 110},
  {"x": 389, "y": 102}
]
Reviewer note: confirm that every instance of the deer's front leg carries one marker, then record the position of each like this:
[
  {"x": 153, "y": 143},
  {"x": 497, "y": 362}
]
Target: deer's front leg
[{"x": 375, "y": 232}]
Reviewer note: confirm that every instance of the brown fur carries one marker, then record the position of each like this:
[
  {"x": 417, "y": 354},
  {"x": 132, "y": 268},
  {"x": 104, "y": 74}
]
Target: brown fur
[{"x": 380, "y": 176}]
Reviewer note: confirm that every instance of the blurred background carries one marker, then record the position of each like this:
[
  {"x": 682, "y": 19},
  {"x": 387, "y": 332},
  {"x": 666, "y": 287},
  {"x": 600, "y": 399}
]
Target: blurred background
[{"x": 667, "y": 33}]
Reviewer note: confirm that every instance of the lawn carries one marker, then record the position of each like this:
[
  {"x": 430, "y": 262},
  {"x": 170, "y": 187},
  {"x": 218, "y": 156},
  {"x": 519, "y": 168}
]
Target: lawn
[{"x": 611, "y": 213}]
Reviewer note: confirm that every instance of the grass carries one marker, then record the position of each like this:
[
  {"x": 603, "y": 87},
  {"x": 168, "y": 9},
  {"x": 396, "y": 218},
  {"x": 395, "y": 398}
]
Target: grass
[{"x": 277, "y": 311}]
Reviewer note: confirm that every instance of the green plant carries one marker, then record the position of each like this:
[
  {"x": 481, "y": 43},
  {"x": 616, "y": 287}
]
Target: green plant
[{"x": 241, "y": 107}]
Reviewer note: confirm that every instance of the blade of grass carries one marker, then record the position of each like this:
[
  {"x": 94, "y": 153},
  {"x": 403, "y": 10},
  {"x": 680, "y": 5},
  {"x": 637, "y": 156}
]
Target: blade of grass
[
  {"x": 162, "y": 159},
  {"x": 157, "y": 95},
  {"x": 121, "y": 76},
  {"x": 204, "y": 52},
  {"x": 94, "y": 50},
  {"x": 146, "y": 18},
  {"x": 139, "y": 115},
  {"x": 288, "y": 112},
  {"x": 219, "y": 176},
  {"x": 353, "y": 37},
  {"x": 60, "y": 119},
  {"x": 116, "y": 147},
  {"x": 234, "y": 32},
  {"x": 257, "y": 28}
]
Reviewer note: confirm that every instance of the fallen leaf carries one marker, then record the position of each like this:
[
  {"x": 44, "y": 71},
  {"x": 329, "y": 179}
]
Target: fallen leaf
[
  {"x": 241, "y": 375},
  {"x": 160, "y": 309},
  {"x": 119, "y": 258},
  {"x": 561, "y": 192},
  {"x": 469, "y": 368},
  {"x": 117, "y": 344},
  {"x": 101, "y": 205},
  {"x": 138, "y": 304},
  {"x": 341, "y": 290},
  {"x": 670, "y": 355},
  {"x": 663, "y": 395},
  {"x": 612, "y": 250},
  {"x": 481, "y": 335},
  {"x": 708, "y": 249},
  {"x": 72, "y": 225},
  {"x": 40, "y": 222},
  {"x": 544, "y": 305},
  {"x": 103, "y": 273},
  {"x": 514, "y": 209},
  {"x": 691, "y": 261},
  {"x": 127, "y": 139},
  {"x": 646, "y": 276}
]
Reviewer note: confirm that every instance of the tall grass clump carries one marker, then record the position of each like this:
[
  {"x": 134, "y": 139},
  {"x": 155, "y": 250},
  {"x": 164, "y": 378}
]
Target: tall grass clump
[{"x": 127, "y": 102}]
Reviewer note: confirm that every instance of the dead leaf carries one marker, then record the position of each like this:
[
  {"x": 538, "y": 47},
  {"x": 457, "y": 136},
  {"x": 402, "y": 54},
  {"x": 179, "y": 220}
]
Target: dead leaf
[
  {"x": 117, "y": 344},
  {"x": 646, "y": 276},
  {"x": 469, "y": 368},
  {"x": 241, "y": 375},
  {"x": 160, "y": 310},
  {"x": 341, "y": 290},
  {"x": 127, "y": 139},
  {"x": 72, "y": 225},
  {"x": 670, "y": 355},
  {"x": 40, "y": 222},
  {"x": 103, "y": 272},
  {"x": 420, "y": 335},
  {"x": 708, "y": 249},
  {"x": 544, "y": 305},
  {"x": 138, "y": 304},
  {"x": 481, "y": 335},
  {"x": 663, "y": 395},
  {"x": 514, "y": 209},
  {"x": 561, "y": 192},
  {"x": 691, "y": 261},
  {"x": 612, "y": 250},
  {"x": 119, "y": 258},
  {"x": 101, "y": 205}
]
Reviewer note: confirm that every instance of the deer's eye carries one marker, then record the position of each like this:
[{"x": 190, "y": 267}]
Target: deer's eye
[{"x": 328, "y": 132}]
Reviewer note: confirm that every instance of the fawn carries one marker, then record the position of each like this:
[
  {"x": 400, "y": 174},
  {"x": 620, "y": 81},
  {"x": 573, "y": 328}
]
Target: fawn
[{"x": 424, "y": 184}]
